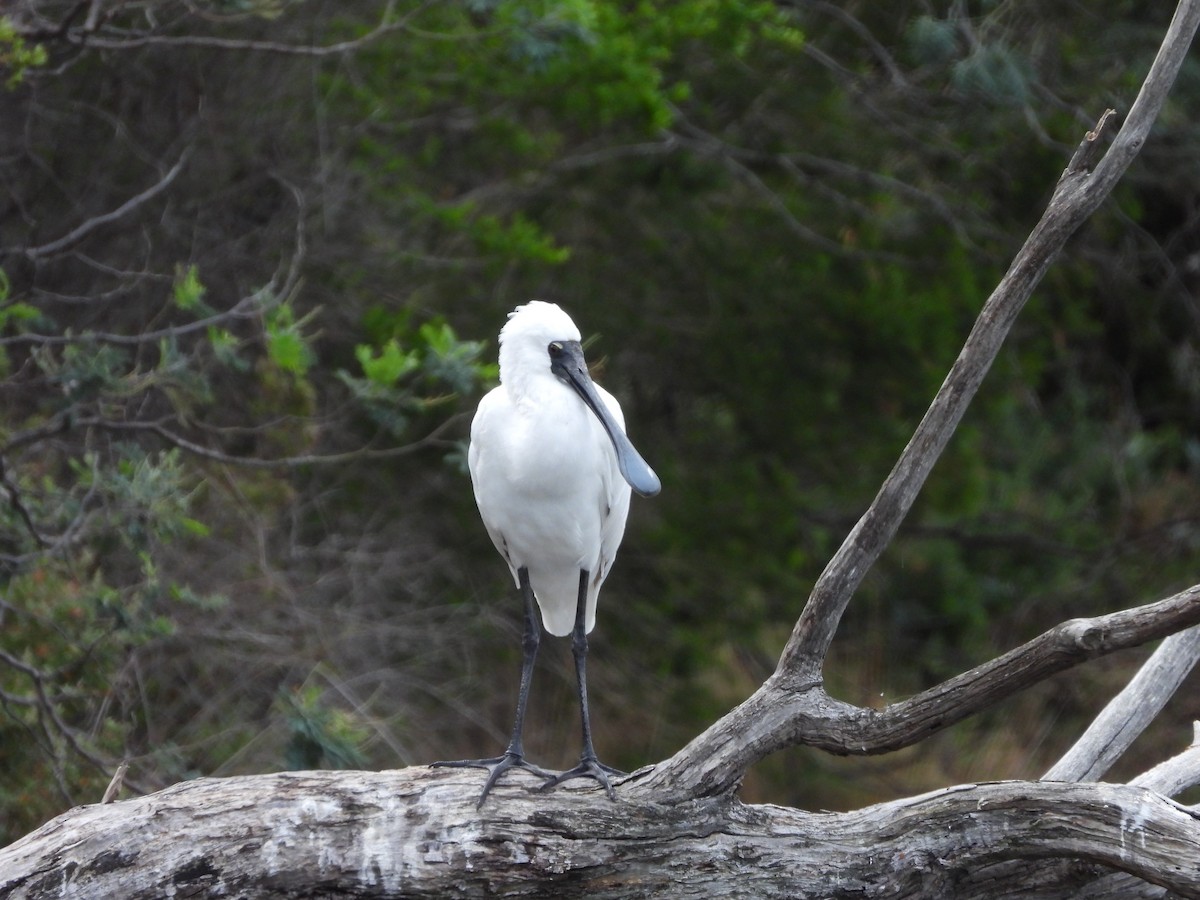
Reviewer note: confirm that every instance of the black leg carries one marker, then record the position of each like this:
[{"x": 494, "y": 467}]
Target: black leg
[
  {"x": 589, "y": 766},
  {"x": 514, "y": 756}
]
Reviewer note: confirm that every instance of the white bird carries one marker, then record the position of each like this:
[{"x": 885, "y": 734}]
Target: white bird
[{"x": 552, "y": 471}]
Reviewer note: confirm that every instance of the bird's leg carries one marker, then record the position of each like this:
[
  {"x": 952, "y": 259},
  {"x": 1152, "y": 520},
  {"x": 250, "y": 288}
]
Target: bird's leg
[
  {"x": 589, "y": 766},
  {"x": 514, "y": 755}
]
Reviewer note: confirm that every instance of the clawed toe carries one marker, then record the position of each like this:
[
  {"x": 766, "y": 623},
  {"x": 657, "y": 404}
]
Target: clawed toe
[
  {"x": 496, "y": 766},
  {"x": 589, "y": 767}
]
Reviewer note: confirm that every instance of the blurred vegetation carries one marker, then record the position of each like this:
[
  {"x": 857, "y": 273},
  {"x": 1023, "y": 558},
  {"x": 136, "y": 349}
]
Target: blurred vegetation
[{"x": 253, "y": 257}]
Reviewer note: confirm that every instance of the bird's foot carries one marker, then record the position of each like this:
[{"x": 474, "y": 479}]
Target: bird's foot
[
  {"x": 496, "y": 767},
  {"x": 589, "y": 767}
]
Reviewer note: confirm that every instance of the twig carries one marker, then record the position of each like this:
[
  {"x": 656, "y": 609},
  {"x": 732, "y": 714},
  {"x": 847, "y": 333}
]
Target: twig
[
  {"x": 94, "y": 37},
  {"x": 1089, "y": 147},
  {"x": 246, "y": 308},
  {"x": 284, "y": 462},
  {"x": 895, "y": 73},
  {"x": 18, "y": 506},
  {"x": 84, "y": 229},
  {"x": 118, "y": 781}
]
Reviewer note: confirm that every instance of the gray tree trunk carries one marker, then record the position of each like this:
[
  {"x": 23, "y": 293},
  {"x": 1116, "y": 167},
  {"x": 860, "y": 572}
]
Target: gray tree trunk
[{"x": 416, "y": 833}]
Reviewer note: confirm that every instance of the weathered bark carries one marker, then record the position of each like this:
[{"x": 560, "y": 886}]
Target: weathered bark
[
  {"x": 416, "y": 833},
  {"x": 1131, "y": 711},
  {"x": 1177, "y": 774},
  {"x": 1079, "y": 880},
  {"x": 778, "y": 714}
]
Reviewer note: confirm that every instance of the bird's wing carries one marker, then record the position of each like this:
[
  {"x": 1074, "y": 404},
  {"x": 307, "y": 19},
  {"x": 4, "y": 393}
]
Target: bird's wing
[
  {"x": 492, "y": 408},
  {"x": 614, "y": 510}
]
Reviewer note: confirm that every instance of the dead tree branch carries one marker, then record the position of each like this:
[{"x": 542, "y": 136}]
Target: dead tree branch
[
  {"x": 718, "y": 758},
  {"x": 1130, "y": 711},
  {"x": 778, "y": 715},
  {"x": 416, "y": 833},
  {"x": 1077, "y": 195}
]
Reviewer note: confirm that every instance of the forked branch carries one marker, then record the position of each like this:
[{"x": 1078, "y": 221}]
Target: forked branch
[
  {"x": 1077, "y": 196},
  {"x": 778, "y": 715},
  {"x": 792, "y": 706}
]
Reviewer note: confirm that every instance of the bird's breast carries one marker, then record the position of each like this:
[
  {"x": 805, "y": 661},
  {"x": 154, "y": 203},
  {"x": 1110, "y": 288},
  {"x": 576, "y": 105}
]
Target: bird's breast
[{"x": 543, "y": 470}]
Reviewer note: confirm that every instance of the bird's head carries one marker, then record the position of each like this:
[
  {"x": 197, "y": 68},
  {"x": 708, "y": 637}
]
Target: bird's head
[
  {"x": 526, "y": 337},
  {"x": 540, "y": 340}
]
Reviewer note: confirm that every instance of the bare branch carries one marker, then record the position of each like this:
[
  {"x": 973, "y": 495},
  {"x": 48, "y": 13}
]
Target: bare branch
[
  {"x": 1061, "y": 648},
  {"x": 284, "y": 462},
  {"x": 780, "y": 714},
  {"x": 416, "y": 833},
  {"x": 1177, "y": 774},
  {"x": 1127, "y": 716},
  {"x": 1089, "y": 147},
  {"x": 895, "y": 73},
  {"x": 84, "y": 229},
  {"x": 247, "y": 308},
  {"x": 48, "y": 708},
  {"x": 18, "y": 505},
  {"x": 736, "y": 160},
  {"x": 92, "y": 34},
  {"x": 1076, "y": 197}
]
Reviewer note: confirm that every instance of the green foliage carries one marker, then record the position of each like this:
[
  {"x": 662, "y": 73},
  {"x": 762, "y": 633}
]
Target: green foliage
[
  {"x": 287, "y": 345},
  {"x": 932, "y": 41},
  {"x": 67, "y": 639},
  {"x": 145, "y": 495},
  {"x": 16, "y": 55},
  {"x": 320, "y": 737},
  {"x": 84, "y": 371},
  {"x": 74, "y": 617},
  {"x": 225, "y": 348},
  {"x": 400, "y": 383},
  {"x": 454, "y": 362},
  {"x": 995, "y": 71},
  {"x": 518, "y": 240},
  {"x": 390, "y": 365},
  {"x": 188, "y": 292},
  {"x": 16, "y": 314}
]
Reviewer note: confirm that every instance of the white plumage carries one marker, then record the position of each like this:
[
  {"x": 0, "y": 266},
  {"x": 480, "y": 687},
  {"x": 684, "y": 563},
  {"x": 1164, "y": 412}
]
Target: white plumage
[
  {"x": 545, "y": 472},
  {"x": 552, "y": 471}
]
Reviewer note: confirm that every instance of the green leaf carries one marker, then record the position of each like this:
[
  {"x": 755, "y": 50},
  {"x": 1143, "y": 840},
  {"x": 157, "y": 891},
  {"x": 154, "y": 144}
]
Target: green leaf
[
  {"x": 390, "y": 365},
  {"x": 21, "y": 313},
  {"x": 188, "y": 292},
  {"x": 194, "y": 526},
  {"x": 932, "y": 41},
  {"x": 288, "y": 351},
  {"x": 225, "y": 348},
  {"x": 16, "y": 55},
  {"x": 286, "y": 344}
]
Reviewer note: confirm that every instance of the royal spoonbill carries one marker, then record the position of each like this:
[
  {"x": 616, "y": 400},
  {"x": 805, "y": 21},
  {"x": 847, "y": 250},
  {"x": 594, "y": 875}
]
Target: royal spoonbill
[{"x": 552, "y": 471}]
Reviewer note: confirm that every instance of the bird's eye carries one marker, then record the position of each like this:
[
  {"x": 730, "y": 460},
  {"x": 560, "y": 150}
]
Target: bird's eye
[{"x": 555, "y": 349}]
